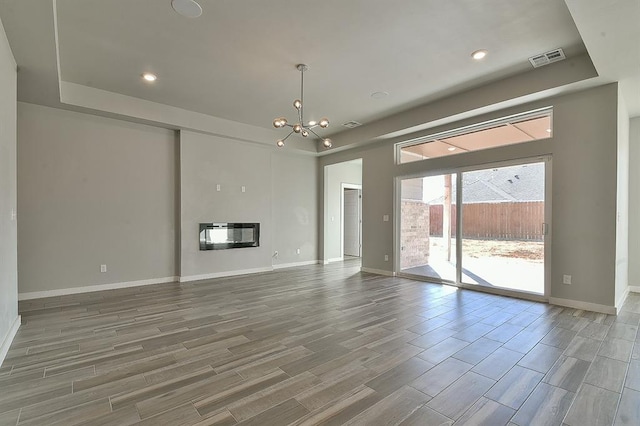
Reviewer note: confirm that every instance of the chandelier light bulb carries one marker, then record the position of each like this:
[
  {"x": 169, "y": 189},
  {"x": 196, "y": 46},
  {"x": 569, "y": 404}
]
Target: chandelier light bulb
[
  {"x": 277, "y": 123},
  {"x": 304, "y": 133},
  {"x": 327, "y": 143},
  {"x": 297, "y": 128},
  {"x": 297, "y": 104},
  {"x": 324, "y": 123},
  {"x": 280, "y": 143}
]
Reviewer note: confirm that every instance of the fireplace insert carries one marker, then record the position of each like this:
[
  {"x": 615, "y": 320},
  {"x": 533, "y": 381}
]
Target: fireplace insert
[{"x": 221, "y": 236}]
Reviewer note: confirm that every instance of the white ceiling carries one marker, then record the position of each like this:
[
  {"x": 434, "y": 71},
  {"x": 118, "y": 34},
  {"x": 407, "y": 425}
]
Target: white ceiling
[{"x": 237, "y": 61}]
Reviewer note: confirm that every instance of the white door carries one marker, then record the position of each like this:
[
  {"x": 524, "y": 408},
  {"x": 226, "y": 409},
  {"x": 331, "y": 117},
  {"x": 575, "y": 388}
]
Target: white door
[{"x": 352, "y": 222}]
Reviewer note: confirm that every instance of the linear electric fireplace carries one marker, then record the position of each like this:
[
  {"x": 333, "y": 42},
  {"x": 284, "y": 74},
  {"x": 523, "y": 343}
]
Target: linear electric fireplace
[{"x": 220, "y": 236}]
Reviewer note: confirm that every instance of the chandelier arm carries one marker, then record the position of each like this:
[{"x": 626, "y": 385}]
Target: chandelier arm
[
  {"x": 317, "y": 135},
  {"x": 287, "y": 137}
]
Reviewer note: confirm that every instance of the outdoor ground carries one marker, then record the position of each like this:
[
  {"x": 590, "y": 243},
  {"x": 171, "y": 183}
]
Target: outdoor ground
[
  {"x": 529, "y": 250},
  {"x": 515, "y": 265}
]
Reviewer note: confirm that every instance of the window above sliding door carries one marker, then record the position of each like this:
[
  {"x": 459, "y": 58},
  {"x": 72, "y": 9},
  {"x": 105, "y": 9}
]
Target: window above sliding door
[{"x": 510, "y": 130}]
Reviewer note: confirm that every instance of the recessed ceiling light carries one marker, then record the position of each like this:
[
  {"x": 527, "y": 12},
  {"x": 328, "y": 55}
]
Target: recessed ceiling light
[
  {"x": 452, "y": 148},
  {"x": 479, "y": 54},
  {"x": 379, "y": 95},
  {"x": 150, "y": 77},
  {"x": 187, "y": 8},
  {"x": 313, "y": 123}
]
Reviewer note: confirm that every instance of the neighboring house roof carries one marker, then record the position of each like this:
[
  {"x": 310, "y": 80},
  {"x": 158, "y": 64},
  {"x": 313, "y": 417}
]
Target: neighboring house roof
[{"x": 514, "y": 183}]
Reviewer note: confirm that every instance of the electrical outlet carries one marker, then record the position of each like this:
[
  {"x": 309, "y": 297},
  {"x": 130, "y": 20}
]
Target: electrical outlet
[
  {"x": 297, "y": 251},
  {"x": 386, "y": 257},
  {"x": 385, "y": 218},
  {"x": 566, "y": 279},
  {"x": 218, "y": 187},
  {"x": 103, "y": 268}
]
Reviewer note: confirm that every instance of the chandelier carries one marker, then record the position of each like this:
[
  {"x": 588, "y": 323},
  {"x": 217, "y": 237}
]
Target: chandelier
[{"x": 301, "y": 127}]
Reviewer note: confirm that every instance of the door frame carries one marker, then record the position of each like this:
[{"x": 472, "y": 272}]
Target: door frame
[
  {"x": 547, "y": 159},
  {"x": 344, "y": 186}
]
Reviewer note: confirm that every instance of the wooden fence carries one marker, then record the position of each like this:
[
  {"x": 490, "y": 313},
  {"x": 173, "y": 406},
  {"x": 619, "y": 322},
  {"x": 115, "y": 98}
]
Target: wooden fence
[{"x": 503, "y": 221}]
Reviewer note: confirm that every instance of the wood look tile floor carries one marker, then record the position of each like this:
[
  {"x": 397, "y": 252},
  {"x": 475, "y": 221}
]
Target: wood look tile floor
[{"x": 318, "y": 345}]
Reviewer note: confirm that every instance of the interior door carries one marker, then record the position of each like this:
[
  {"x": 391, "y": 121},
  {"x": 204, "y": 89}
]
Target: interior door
[{"x": 352, "y": 222}]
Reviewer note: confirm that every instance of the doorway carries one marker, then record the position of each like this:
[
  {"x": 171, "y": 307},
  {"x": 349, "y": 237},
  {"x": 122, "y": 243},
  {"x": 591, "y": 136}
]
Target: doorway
[
  {"x": 478, "y": 226},
  {"x": 338, "y": 178}
]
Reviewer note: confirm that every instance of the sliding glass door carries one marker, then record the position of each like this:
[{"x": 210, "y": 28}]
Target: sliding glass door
[
  {"x": 500, "y": 240},
  {"x": 428, "y": 220}
]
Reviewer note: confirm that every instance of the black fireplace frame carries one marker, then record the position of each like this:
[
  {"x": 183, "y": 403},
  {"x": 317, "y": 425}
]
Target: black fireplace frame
[{"x": 234, "y": 235}]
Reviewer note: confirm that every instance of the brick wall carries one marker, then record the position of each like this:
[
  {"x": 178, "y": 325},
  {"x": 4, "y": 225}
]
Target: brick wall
[{"x": 414, "y": 233}]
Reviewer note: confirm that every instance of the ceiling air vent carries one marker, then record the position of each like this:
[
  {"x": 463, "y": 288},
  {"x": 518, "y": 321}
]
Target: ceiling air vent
[
  {"x": 352, "y": 124},
  {"x": 547, "y": 58}
]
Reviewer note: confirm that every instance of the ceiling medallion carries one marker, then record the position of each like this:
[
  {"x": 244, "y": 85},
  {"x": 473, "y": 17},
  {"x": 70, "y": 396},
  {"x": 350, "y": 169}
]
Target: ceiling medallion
[{"x": 301, "y": 127}]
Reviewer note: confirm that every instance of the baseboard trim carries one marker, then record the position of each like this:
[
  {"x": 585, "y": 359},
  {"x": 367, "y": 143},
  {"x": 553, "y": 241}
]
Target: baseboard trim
[
  {"x": 294, "y": 264},
  {"x": 378, "y": 272},
  {"x": 189, "y": 278},
  {"x": 622, "y": 299},
  {"x": 634, "y": 289},
  {"x": 6, "y": 343},
  {"x": 92, "y": 288},
  {"x": 585, "y": 306},
  {"x": 333, "y": 259}
]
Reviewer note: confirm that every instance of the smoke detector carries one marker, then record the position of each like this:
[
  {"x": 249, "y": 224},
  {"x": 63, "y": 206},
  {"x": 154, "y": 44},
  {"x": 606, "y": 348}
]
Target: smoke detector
[
  {"x": 547, "y": 58},
  {"x": 352, "y": 124}
]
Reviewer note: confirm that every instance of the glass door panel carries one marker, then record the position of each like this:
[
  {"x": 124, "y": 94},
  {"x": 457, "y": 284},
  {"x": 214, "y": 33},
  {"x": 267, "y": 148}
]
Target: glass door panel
[
  {"x": 502, "y": 217},
  {"x": 428, "y": 227}
]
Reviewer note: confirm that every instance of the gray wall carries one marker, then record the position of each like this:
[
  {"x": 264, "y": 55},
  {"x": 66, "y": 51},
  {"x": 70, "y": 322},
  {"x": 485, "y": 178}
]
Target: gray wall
[
  {"x": 95, "y": 191},
  {"x": 92, "y": 191},
  {"x": 334, "y": 176},
  {"x": 8, "y": 241},
  {"x": 622, "y": 207},
  {"x": 280, "y": 195},
  {"x": 584, "y": 153},
  {"x": 294, "y": 208},
  {"x": 207, "y": 161},
  {"x": 634, "y": 203}
]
